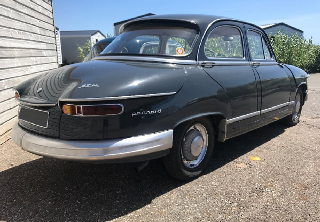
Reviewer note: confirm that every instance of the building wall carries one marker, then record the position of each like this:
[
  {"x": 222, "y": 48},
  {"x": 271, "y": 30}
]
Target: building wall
[
  {"x": 96, "y": 37},
  {"x": 284, "y": 29},
  {"x": 69, "y": 45},
  {"x": 116, "y": 29},
  {"x": 27, "y": 49}
]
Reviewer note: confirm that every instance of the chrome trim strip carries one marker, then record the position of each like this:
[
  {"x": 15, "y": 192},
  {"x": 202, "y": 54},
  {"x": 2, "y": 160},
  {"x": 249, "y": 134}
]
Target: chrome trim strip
[
  {"x": 263, "y": 63},
  {"x": 92, "y": 150},
  {"x": 277, "y": 107},
  {"x": 26, "y": 107},
  {"x": 243, "y": 117},
  {"x": 36, "y": 104},
  {"x": 117, "y": 98},
  {"x": 148, "y": 59},
  {"x": 257, "y": 113},
  {"x": 226, "y": 63}
]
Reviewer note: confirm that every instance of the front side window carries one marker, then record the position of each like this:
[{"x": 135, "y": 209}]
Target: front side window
[
  {"x": 257, "y": 46},
  {"x": 224, "y": 42},
  {"x": 167, "y": 41}
]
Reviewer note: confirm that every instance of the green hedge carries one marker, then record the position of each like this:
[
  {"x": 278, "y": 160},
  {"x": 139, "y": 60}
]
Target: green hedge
[{"x": 297, "y": 51}]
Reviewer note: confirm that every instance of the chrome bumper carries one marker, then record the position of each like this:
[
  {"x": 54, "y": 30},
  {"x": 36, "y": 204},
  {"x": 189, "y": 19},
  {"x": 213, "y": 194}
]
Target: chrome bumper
[{"x": 93, "y": 150}]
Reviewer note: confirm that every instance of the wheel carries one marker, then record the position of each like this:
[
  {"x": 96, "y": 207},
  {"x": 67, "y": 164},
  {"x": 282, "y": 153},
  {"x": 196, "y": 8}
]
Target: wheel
[
  {"x": 192, "y": 149},
  {"x": 293, "y": 119}
]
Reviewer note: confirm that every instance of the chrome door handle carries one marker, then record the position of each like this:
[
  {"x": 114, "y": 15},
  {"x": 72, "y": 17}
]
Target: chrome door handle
[{"x": 255, "y": 64}]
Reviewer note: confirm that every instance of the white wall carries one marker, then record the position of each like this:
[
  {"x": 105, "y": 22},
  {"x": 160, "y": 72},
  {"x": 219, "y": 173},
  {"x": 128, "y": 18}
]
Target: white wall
[
  {"x": 27, "y": 49},
  {"x": 98, "y": 36}
]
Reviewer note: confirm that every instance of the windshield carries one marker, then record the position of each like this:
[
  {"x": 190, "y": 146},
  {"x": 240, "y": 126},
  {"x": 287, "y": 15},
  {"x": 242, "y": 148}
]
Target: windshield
[{"x": 168, "y": 41}]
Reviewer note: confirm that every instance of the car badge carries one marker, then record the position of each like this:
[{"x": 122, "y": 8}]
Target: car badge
[
  {"x": 146, "y": 112},
  {"x": 39, "y": 90},
  {"x": 88, "y": 86}
]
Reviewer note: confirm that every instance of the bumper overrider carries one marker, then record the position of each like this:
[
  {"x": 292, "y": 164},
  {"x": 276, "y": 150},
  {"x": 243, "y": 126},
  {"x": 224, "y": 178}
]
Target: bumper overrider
[{"x": 130, "y": 149}]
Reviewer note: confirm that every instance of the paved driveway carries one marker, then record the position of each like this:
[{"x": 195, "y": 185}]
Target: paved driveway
[{"x": 284, "y": 185}]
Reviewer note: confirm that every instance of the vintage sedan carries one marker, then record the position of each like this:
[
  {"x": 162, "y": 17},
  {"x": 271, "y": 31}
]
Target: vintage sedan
[{"x": 196, "y": 79}]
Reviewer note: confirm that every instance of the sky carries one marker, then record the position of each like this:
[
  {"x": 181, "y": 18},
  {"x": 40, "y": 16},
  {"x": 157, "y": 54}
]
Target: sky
[{"x": 102, "y": 14}]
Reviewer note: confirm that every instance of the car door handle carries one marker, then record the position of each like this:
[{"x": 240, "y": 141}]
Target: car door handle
[
  {"x": 207, "y": 64},
  {"x": 256, "y": 64}
]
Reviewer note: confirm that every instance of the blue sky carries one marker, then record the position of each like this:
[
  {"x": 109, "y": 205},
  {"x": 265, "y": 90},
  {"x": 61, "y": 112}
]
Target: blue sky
[{"x": 101, "y": 14}]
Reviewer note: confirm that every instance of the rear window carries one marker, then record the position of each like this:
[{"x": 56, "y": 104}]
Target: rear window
[{"x": 168, "y": 41}]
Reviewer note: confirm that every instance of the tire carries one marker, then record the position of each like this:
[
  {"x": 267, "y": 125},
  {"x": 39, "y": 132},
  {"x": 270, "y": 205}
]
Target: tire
[
  {"x": 183, "y": 162},
  {"x": 293, "y": 119}
]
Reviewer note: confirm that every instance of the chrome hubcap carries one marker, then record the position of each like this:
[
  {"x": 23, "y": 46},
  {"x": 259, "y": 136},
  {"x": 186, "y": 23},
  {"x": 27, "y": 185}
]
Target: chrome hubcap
[
  {"x": 297, "y": 106},
  {"x": 194, "y": 145}
]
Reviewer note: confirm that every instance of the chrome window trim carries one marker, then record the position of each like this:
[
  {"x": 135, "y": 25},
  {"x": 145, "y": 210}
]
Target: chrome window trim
[
  {"x": 262, "y": 37},
  {"x": 117, "y": 98},
  {"x": 205, "y": 32},
  {"x": 257, "y": 113},
  {"x": 242, "y": 38},
  {"x": 148, "y": 59},
  {"x": 26, "y": 107}
]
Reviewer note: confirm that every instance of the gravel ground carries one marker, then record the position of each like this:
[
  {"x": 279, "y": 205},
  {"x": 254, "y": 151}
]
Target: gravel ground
[{"x": 282, "y": 186}]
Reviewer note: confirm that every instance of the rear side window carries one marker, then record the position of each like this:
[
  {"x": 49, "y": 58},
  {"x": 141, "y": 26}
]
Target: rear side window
[
  {"x": 224, "y": 42},
  {"x": 257, "y": 46}
]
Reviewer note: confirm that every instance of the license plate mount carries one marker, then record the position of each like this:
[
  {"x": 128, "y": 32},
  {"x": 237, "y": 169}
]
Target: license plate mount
[{"x": 34, "y": 116}]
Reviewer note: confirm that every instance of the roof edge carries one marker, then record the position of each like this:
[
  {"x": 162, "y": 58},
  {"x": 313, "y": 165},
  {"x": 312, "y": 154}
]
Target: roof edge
[{"x": 284, "y": 24}]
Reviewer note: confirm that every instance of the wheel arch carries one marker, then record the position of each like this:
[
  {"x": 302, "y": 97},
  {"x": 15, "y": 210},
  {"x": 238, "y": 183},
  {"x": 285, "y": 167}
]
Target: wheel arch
[
  {"x": 304, "y": 87},
  {"x": 217, "y": 119}
]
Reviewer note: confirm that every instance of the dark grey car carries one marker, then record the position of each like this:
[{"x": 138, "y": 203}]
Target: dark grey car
[{"x": 192, "y": 80}]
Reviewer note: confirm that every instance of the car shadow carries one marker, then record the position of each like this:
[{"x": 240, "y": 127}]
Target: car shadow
[{"x": 53, "y": 190}]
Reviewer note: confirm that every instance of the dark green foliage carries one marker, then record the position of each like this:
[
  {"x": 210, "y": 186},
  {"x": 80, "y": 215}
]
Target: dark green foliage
[{"x": 297, "y": 51}]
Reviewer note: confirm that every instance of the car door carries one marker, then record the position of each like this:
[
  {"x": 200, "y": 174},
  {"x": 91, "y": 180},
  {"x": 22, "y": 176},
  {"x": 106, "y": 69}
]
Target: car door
[
  {"x": 224, "y": 59},
  {"x": 274, "y": 80}
]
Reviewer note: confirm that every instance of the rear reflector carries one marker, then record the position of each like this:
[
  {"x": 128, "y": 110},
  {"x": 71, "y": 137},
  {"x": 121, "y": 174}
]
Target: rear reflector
[
  {"x": 93, "y": 110},
  {"x": 16, "y": 94}
]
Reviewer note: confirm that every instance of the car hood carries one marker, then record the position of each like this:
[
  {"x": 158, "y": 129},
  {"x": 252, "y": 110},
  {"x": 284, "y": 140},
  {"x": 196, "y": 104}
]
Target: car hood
[{"x": 102, "y": 79}]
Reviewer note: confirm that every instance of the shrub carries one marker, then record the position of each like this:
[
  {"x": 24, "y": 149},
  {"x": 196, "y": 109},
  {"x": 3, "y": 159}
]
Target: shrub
[
  {"x": 84, "y": 50},
  {"x": 297, "y": 51}
]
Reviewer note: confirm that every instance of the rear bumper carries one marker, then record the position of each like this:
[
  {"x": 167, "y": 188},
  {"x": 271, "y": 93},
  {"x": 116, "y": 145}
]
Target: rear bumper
[{"x": 113, "y": 150}]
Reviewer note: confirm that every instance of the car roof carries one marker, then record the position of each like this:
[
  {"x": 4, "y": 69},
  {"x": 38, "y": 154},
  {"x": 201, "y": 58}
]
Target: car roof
[
  {"x": 202, "y": 21},
  {"x": 106, "y": 40}
]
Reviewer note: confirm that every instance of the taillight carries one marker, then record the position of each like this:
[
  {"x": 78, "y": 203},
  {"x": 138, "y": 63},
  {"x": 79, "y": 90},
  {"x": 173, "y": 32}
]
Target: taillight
[
  {"x": 16, "y": 94},
  {"x": 92, "y": 110}
]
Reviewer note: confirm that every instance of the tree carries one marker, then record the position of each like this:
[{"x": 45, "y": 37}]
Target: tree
[{"x": 84, "y": 50}]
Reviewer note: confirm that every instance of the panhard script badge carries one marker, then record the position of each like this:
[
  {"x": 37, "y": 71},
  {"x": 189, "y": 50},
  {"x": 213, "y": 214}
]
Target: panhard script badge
[{"x": 88, "y": 86}]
